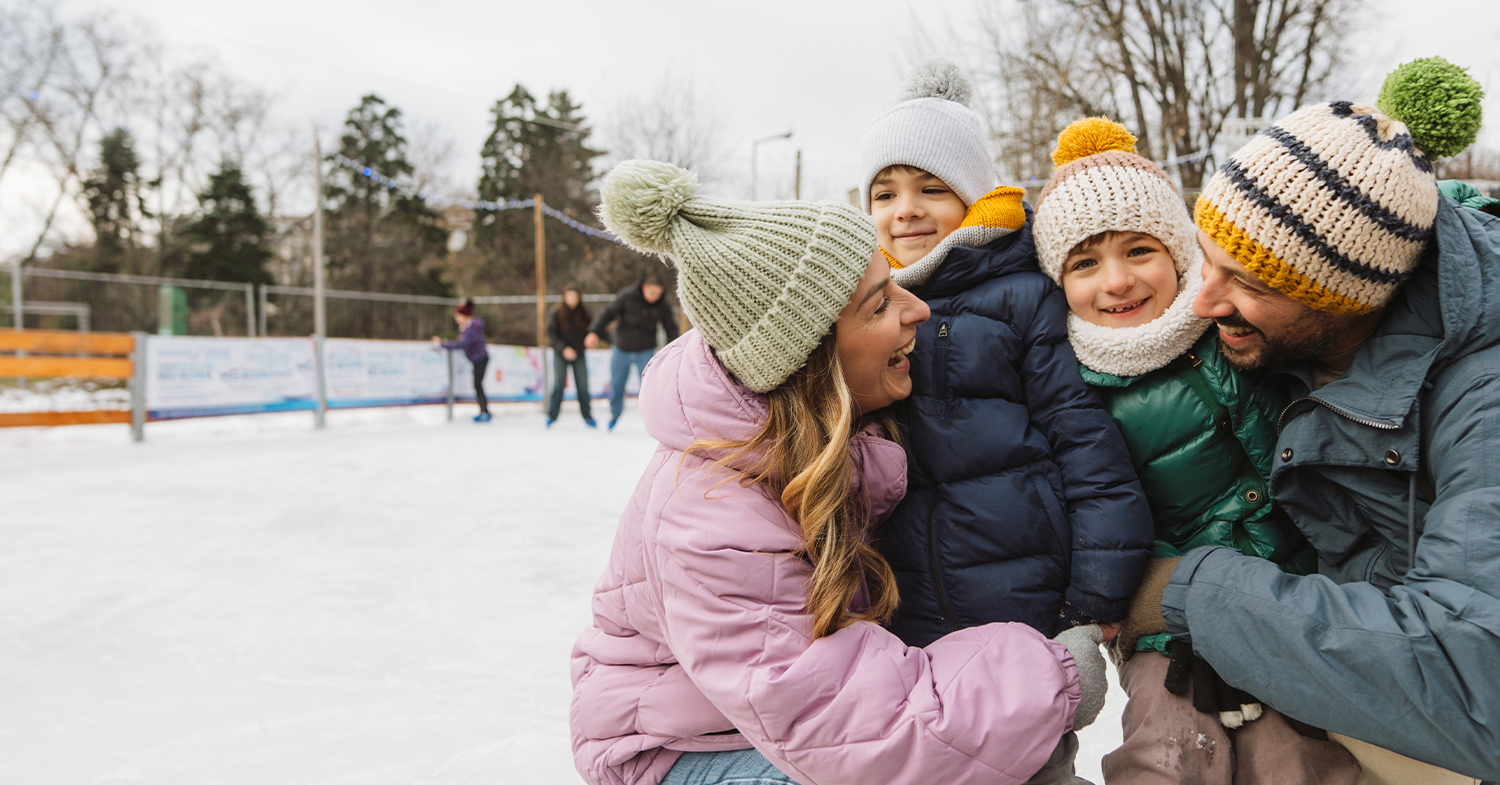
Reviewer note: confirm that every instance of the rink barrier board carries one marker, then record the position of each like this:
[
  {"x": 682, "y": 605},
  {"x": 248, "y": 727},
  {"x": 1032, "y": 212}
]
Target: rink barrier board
[
  {"x": 182, "y": 377},
  {"x": 48, "y": 419},
  {"x": 52, "y": 354}
]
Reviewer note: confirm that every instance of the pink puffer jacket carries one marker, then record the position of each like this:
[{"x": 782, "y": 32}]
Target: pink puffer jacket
[{"x": 700, "y": 628}]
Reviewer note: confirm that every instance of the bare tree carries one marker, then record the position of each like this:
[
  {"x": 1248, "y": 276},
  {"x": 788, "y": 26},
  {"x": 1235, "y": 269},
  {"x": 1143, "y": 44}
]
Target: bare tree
[
  {"x": 31, "y": 41},
  {"x": 672, "y": 122},
  {"x": 1171, "y": 70}
]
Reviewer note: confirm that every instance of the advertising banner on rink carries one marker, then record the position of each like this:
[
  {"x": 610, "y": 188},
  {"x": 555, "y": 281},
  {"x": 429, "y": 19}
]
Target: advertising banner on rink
[
  {"x": 191, "y": 376},
  {"x": 383, "y": 373},
  {"x": 514, "y": 373}
]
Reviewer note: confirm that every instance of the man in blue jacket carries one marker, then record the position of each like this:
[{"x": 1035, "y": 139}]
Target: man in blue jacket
[{"x": 1333, "y": 262}]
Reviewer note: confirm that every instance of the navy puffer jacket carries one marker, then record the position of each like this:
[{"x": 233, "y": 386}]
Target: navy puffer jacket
[{"x": 1021, "y": 493}]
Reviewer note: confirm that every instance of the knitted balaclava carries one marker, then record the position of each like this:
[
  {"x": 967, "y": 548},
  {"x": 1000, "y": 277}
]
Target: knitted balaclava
[
  {"x": 932, "y": 129},
  {"x": 1333, "y": 204},
  {"x": 1101, "y": 185},
  {"x": 762, "y": 281}
]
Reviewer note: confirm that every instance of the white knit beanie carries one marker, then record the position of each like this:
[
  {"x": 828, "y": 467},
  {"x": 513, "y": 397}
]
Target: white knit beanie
[
  {"x": 762, "y": 281},
  {"x": 1101, "y": 185},
  {"x": 933, "y": 129}
]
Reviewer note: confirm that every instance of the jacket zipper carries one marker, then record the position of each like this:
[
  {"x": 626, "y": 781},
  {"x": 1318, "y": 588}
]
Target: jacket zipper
[
  {"x": 1281, "y": 420},
  {"x": 940, "y": 369}
]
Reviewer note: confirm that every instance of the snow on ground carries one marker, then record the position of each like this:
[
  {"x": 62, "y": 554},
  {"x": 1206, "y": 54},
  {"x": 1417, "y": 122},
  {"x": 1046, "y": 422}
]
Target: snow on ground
[
  {"x": 248, "y": 600},
  {"x": 63, "y": 395}
]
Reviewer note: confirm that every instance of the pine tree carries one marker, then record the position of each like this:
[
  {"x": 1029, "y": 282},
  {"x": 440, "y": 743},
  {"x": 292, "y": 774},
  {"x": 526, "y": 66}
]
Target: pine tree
[
  {"x": 228, "y": 241},
  {"x": 115, "y": 199},
  {"x": 534, "y": 148},
  {"x": 380, "y": 238}
]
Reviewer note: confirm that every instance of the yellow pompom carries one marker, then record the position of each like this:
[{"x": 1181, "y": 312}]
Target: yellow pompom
[{"x": 1090, "y": 137}]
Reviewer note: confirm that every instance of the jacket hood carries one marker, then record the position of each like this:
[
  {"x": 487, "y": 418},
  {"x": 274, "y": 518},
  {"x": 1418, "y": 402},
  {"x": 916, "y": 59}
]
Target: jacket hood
[
  {"x": 966, "y": 266},
  {"x": 1448, "y": 309},
  {"x": 688, "y": 395}
]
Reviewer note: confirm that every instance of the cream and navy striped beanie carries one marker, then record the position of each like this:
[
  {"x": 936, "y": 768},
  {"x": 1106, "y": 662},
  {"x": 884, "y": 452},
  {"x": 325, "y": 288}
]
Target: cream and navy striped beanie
[
  {"x": 762, "y": 281},
  {"x": 932, "y": 129},
  {"x": 1334, "y": 204}
]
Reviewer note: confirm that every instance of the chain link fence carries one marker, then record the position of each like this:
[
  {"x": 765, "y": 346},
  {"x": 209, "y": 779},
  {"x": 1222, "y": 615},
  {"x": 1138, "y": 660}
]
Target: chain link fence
[{"x": 109, "y": 302}]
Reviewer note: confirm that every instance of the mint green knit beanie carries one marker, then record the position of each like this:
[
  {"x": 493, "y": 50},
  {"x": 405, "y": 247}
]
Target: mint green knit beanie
[{"x": 762, "y": 281}]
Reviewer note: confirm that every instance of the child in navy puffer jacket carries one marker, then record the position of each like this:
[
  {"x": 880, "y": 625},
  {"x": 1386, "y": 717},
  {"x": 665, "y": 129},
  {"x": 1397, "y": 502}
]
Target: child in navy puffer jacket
[{"x": 1022, "y": 503}]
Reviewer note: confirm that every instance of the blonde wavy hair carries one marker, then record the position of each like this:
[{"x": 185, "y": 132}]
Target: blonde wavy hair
[{"x": 801, "y": 454}]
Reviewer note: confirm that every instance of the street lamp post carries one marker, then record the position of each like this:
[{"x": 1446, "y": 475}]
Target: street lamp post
[{"x": 755, "y": 144}]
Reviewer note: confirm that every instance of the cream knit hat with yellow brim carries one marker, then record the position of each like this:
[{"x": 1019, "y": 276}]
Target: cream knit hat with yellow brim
[
  {"x": 762, "y": 281},
  {"x": 1102, "y": 185}
]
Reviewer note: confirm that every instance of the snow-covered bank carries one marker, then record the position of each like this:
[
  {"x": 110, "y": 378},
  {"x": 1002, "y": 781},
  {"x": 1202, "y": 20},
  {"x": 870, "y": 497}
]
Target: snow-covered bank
[{"x": 247, "y": 600}]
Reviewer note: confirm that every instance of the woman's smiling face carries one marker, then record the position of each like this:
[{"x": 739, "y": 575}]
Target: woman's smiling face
[{"x": 874, "y": 334}]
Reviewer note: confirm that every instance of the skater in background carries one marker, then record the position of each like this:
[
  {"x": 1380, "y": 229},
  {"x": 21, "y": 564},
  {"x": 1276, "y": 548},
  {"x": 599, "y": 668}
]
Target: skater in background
[
  {"x": 471, "y": 340},
  {"x": 735, "y": 634},
  {"x": 566, "y": 330},
  {"x": 639, "y": 309}
]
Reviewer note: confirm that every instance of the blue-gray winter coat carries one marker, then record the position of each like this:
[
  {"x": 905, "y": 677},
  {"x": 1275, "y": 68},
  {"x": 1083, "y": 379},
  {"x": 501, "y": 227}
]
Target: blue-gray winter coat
[
  {"x": 1020, "y": 493},
  {"x": 1400, "y": 455}
]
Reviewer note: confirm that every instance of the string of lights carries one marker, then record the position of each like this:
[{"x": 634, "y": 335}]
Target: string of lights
[{"x": 436, "y": 200}]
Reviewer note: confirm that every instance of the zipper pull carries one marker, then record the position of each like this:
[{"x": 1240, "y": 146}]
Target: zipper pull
[
  {"x": 943, "y": 330},
  {"x": 1195, "y": 358}
]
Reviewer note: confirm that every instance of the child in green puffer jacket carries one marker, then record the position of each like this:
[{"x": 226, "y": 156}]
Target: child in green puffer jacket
[{"x": 1114, "y": 233}]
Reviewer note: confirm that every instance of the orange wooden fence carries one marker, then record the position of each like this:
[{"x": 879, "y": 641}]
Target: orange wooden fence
[{"x": 35, "y": 354}]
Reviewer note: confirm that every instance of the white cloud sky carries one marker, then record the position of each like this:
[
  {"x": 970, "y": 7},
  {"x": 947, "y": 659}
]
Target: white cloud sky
[{"x": 821, "y": 68}]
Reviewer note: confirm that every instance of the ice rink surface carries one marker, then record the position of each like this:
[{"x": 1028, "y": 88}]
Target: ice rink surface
[{"x": 247, "y": 600}]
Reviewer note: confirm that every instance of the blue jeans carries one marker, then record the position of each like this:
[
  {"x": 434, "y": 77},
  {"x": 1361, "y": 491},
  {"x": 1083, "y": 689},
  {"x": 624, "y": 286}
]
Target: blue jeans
[
  {"x": 560, "y": 368},
  {"x": 619, "y": 374},
  {"x": 740, "y": 767}
]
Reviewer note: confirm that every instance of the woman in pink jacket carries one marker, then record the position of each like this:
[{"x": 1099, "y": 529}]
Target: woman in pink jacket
[{"x": 736, "y": 631}]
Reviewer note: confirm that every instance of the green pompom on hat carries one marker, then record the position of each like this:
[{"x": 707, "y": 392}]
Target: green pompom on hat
[
  {"x": 1439, "y": 103},
  {"x": 762, "y": 281}
]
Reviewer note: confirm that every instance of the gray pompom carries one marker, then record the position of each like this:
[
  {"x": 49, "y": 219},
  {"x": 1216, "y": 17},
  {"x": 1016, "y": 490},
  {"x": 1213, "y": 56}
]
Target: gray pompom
[
  {"x": 639, "y": 201},
  {"x": 936, "y": 77}
]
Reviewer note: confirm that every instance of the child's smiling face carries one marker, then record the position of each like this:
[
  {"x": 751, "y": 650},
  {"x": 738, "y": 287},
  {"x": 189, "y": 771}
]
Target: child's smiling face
[
  {"x": 913, "y": 212},
  {"x": 1123, "y": 279}
]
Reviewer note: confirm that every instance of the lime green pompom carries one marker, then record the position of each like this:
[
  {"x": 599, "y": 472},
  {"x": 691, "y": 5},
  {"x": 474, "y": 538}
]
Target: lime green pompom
[{"x": 1439, "y": 103}]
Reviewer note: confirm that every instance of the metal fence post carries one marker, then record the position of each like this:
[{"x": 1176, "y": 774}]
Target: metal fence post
[
  {"x": 250, "y": 310},
  {"x": 138, "y": 387},
  {"x": 449, "y": 352},
  {"x": 320, "y": 413},
  {"x": 263, "y": 332}
]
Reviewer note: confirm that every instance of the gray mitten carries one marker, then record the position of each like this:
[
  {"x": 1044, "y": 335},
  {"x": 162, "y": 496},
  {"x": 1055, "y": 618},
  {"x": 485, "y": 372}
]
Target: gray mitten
[{"x": 1083, "y": 642}]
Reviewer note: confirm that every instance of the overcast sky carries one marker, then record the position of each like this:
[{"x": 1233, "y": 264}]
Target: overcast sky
[{"x": 819, "y": 68}]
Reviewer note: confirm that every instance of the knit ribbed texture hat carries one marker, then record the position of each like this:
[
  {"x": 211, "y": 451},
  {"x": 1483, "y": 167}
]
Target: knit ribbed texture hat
[
  {"x": 1334, "y": 204},
  {"x": 1101, "y": 185},
  {"x": 762, "y": 281},
  {"x": 932, "y": 129}
]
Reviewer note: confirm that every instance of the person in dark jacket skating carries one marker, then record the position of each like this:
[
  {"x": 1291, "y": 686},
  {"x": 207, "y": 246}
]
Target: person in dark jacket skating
[
  {"x": 638, "y": 309},
  {"x": 471, "y": 340},
  {"x": 567, "y": 330},
  {"x": 1332, "y": 261}
]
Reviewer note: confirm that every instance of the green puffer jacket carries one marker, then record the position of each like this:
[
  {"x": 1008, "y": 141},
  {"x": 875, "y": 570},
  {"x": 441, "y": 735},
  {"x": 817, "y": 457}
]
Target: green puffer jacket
[{"x": 1201, "y": 436}]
